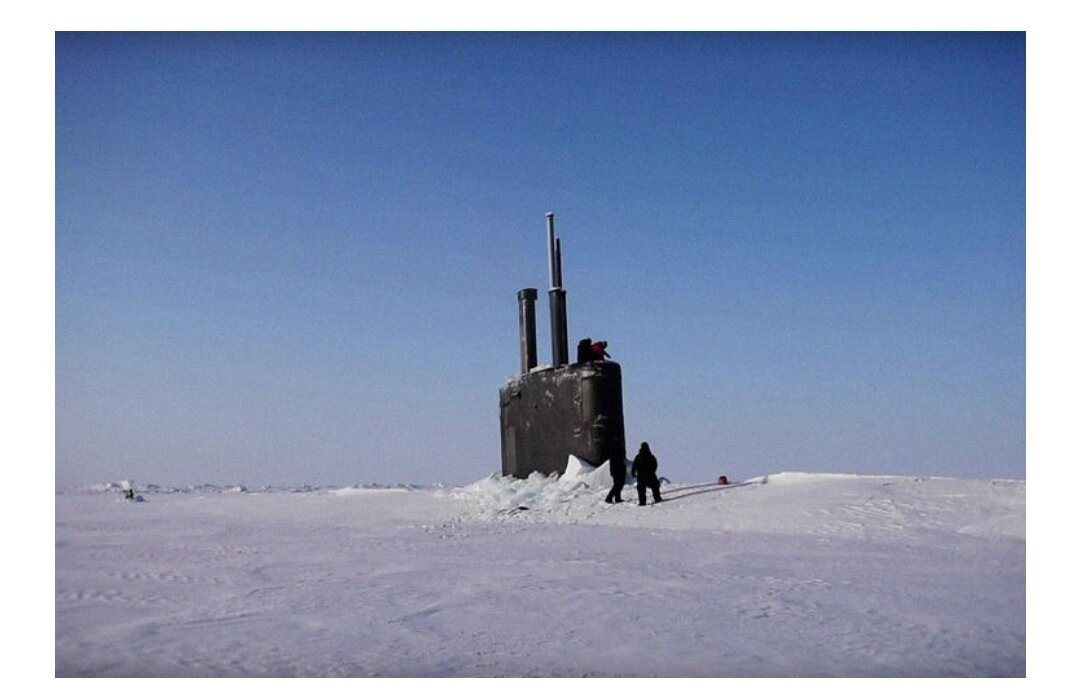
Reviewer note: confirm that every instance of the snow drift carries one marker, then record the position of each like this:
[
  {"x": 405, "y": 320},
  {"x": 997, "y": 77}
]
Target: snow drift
[{"x": 789, "y": 574}]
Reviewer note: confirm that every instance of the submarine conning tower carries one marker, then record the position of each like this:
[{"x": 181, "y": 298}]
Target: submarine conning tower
[{"x": 548, "y": 413}]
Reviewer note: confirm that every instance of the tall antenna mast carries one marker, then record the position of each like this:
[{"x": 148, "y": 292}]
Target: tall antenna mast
[{"x": 560, "y": 348}]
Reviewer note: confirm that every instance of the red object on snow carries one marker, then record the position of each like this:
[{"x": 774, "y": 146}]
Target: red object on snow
[{"x": 724, "y": 480}]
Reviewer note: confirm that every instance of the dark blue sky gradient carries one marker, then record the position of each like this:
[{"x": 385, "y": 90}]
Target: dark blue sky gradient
[{"x": 293, "y": 258}]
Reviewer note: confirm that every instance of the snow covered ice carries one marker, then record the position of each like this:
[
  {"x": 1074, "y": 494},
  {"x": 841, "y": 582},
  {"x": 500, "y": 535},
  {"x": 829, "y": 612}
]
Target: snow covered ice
[{"x": 788, "y": 574}]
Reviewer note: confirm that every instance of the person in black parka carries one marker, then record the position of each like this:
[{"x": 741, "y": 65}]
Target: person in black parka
[
  {"x": 584, "y": 351},
  {"x": 617, "y": 465},
  {"x": 644, "y": 469}
]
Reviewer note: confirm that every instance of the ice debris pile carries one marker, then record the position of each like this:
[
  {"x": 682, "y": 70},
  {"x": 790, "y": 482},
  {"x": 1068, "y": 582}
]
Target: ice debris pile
[
  {"x": 580, "y": 490},
  {"x": 155, "y": 489},
  {"x": 213, "y": 489},
  {"x": 125, "y": 488}
]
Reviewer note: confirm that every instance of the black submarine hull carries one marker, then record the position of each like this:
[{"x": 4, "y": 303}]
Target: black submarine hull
[{"x": 550, "y": 413}]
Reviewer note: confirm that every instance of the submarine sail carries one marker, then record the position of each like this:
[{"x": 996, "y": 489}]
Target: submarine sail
[{"x": 548, "y": 413}]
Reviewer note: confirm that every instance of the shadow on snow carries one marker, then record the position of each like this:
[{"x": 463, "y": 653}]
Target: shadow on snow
[{"x": 700, "y": 489}]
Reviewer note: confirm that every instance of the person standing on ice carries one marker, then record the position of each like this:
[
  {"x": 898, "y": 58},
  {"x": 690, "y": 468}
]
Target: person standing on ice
[
  {"x": 618, "y": 474},
  {"x": 644, "y": 470}
]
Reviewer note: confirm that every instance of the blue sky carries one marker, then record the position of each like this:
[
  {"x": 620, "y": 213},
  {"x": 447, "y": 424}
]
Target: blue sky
[{"x": 293, "y": 258}]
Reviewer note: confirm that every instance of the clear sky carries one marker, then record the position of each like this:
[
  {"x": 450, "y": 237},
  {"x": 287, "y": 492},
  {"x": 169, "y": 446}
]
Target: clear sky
[{"x": 290, "y": 258}]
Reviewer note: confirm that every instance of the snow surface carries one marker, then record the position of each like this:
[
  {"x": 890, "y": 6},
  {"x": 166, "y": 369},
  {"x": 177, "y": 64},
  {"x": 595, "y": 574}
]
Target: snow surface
[{"x": 790, "y": 574}]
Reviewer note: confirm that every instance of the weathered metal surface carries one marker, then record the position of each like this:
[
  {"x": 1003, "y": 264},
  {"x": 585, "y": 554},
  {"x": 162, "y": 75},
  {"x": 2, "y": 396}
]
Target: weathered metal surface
[{"x": 548, "y": 414}]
